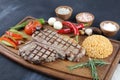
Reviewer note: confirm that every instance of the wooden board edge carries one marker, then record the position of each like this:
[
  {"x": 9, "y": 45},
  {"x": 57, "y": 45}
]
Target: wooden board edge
[
  {"x": 26, "y": 18},
  {"x": 113, "y": 67},
  {"x": 42, "y": 69}
]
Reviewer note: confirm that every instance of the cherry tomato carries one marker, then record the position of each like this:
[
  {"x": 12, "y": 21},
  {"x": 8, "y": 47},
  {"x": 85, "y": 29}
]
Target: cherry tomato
[{"x": 31, "y": 27}]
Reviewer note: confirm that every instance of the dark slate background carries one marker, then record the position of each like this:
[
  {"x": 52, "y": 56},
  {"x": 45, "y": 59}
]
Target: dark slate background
[{"x": 12, "y": 11}]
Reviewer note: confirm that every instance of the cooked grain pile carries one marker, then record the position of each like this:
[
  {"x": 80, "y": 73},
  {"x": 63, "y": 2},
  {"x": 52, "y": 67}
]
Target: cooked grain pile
[{"x": 97, "y": 46}]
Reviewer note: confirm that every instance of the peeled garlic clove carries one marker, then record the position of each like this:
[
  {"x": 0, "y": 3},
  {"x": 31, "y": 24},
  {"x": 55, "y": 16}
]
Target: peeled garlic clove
[
  {"x": 51, "y": 21},
  {"x": 88, "y": 31},
  {"x": 58, "y": 25}
]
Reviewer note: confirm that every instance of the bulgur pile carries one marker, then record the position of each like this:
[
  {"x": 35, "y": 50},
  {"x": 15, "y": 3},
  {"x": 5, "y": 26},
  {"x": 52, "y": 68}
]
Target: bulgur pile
[{"x": 97, "y": 46}]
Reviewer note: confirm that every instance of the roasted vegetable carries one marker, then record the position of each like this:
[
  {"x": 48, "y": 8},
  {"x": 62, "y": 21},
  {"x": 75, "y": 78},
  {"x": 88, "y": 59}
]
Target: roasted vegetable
[
  {"x": 14, "y": 35},
  {"x": 11, "y": 38},
  {"x": 8, "y": 42},
  {"x": 31, "y": 26},
  {"x": 21, "y": 33},
  {"x": 22, "y": 25}
]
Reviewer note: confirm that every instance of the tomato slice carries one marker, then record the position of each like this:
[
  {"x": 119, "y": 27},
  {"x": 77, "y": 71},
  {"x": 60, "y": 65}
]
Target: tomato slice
[{"x": 31, "y": 27}]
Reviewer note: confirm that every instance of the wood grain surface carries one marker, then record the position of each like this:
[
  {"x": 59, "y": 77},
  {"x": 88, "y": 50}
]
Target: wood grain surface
[{"x": 59, "y": 68}]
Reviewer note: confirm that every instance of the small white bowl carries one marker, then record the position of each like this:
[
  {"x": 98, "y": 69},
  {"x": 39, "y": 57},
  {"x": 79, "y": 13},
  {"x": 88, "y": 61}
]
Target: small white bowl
[
  {"x": 108, "y": 32},
  {"x": 63, "y": 15},
  {"x": 83, "y": 15}
]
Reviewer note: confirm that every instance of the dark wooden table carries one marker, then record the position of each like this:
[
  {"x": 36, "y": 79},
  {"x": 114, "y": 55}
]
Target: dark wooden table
[{"x": 12, "y": 11}]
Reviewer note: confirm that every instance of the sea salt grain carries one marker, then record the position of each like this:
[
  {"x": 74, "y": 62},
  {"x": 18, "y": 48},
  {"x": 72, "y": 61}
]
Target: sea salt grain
[
  {"x": 85, "y": 17},
  {"x": 63, "y": 11},
  {"x": 109, "y": 27}
]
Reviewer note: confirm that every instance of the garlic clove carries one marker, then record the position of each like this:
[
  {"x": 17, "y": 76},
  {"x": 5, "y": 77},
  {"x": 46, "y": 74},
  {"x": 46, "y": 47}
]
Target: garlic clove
[
  {"x": 88, "y": 31},
  {"x": 58, "y": 25},
  {"x": 51, "y": 21}
]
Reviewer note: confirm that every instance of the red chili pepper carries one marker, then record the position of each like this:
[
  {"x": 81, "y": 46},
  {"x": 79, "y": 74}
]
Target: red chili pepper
[
  {"x": 72, "y": 26},
  {"x": 65, "y": 31},
  {"x": 14, "y": 35},
  {"x": 69, "y": 30}
]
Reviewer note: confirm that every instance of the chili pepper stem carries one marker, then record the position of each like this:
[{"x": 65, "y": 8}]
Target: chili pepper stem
[
  {"x": 77, "y": 38},
  {"x": 86, "y": 24}
]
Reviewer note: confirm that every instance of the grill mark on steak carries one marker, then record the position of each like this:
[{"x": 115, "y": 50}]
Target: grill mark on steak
[
  {"x": 74, "y": 59},
  {"x": 51, "y": 52},
  {"x": 44, "y": 54},
  {"x": 34, "y": 52},
  {"x": 56, "y": 40}
]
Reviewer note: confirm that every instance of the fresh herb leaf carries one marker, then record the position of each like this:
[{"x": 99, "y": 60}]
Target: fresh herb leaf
[
  {"x": 93, "y": 69},
  {"x": 99, "y": 62},
  {"x": 78, "y": 66},
  {"x": 92, "y": 63}
]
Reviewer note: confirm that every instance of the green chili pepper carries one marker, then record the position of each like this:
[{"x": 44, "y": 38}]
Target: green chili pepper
[{"x": 20, "y": 26}]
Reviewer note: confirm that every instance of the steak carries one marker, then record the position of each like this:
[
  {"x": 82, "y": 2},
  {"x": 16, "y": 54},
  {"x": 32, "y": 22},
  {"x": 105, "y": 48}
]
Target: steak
[
  {"x": 70, "y": 48},
  {"x": 46, "y": 46},
  {"x": 35, "y": 52}
]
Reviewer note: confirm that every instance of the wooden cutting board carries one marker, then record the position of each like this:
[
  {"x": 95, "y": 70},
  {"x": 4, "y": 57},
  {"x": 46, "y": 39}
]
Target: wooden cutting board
[{"x": 59, "y": 68}]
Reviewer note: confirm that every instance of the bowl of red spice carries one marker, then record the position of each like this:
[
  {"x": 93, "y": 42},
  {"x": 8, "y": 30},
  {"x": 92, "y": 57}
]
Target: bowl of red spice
[
  {"x": 85, "y": 17},
  {"x": 109, "y": 28},
  {"x": 64, "y": 12}
]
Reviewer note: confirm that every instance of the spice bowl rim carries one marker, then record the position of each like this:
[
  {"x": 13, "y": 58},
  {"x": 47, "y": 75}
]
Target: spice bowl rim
[
  {"x": 70, "y": 8},
  {"x": 109, "y": 21},
  {"x": 85, "y": 21}
]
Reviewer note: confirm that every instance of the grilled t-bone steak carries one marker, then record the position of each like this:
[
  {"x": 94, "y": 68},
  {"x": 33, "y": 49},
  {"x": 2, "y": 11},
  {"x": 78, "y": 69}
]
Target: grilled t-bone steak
[
  {"x": 35, "y": 52},
  {"x": 47, "y": 46},
  {"x": 70, "y": 48}
]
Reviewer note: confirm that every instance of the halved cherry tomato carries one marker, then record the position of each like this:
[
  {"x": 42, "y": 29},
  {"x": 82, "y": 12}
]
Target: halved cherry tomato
[{"x": 31, "y": 26}]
